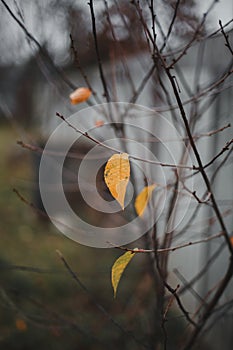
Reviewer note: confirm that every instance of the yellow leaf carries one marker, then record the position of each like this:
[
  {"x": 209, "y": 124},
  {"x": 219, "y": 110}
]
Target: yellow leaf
[
  {"x": 118, "y": 268},
  {"x": 143, "y": 198},
  {"x": 80, "y": 95},
  {"x": 116, "y": 176},
  {"x": 21, "y": 325}
]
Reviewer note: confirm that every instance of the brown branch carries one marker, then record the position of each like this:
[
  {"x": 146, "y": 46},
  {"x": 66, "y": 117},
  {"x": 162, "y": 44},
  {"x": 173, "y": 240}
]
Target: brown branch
[
  {"x": 8, "y": 267},
  {"x": 172, "y": 291},
  {"x": 221, "y": 165},
  {"x": 195, "y": 35},
  {"x": 205, "y": 298},
  {"x": 52, "y": 316},
  {"x": 221, "y": 311},
  {"x": 148, "y": 34},
  {"x": 194, "y": 194},
  {"x": 142, "y": 84},
  {"x": 30, "y": 147},
  {"x": 171, "y": 25},
  {"x": 224, "y": 149},
  {"x": 211, "y": 305},
  {"x": 188, "y": 286},
  {"x": 188, "y": 244},
  {"x": 94, "y": 32},
  {"x": 153, "y": 16},
  {"x": 119, "y": 46},
  {"x": 95, "y": 303},
  {"x": 91, "y": 138},
  {"x": 170, "y": 249},
  {"x": 170, "y": 302},
  {"x": 197, "y": 155},
  {"x": 227, "y": 44},
  {"x": 204, "y": 269},
  {"x": 78, "y": 64},
  {"x": 169, "y": 235},
  {"x": 164, "y": 318},
  {"x": 74, "y": 155},
  {"x": 200, "y": 200},
  {"x": 214, "y": 132},
  {"x": 203, "y": 38},
  {"x": 178, "y": 300},
  {"x": 199, "y": 95},
  {"x": 229, "y": 272},
  {"x": 41, "y": 212}
]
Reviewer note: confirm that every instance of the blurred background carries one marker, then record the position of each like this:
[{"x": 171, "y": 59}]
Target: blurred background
[{"x": 47, "y": 49}]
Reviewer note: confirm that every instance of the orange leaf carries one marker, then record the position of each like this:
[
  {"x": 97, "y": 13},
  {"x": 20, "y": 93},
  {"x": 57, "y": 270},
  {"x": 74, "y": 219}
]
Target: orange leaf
[
  {"x": 116, "y": 176},
  {"x": 231, "y": 239},
  {"x": 80, "y": 95},
  {"x": 21, "y": 325},
  {"x": 99, "y": 123}
]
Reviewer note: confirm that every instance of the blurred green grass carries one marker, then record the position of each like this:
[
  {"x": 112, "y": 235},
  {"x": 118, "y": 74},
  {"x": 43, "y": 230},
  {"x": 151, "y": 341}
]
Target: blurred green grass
[{"x": 47, "y": 301}]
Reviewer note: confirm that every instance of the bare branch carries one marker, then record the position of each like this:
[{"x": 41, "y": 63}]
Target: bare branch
[
  {"x": 196, "y": 153},
  {"x": 171, "y": 26},
  {"x": 195, "y": 35},
  {"x": 97, "y": 305},
  {"x": 170, "y": 249},
  {"x": 78, "y": 64},
  {"x": 224, "y": 149},
  {"x": 91, "y": 138},
  {"x": 211, "y": 305},
  {"x": 102, "y": 77},
  {"x": 226, "y": 38}
]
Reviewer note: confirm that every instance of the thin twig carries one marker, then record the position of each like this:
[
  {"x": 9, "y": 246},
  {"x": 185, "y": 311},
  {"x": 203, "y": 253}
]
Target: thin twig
[
  {"x": 171, "y": 25},
  {"x": 142, "y": 84},
  {"x": 188, "y": 286},
  {"x": 63, "y": 321},
  {"x": 229, "y": 272},
  {"x": 74, "y": 155},
  {"x": 42, "y": 213},
  {"x": 94, "y": 32},
  {"x": 225, "y": 281},
  {"x": 220, "y": 165},
  {"x": 164, "y": 318},
  {"x": 206, "y": 297},
  {"x": 194, "y": 194},
  {"x": 85, "y": 77},
  {"x": 197, "y": 155},
  {"x": 8, "y": 267},
  {"x": 195, "y": 35},
  {"x": 199, "y": 95},
  {"x": 151, "y": 7},
  {"x": 119, "y": 46},
  {"x": 170, "y": 249},
  {"x": 178, "y": 300},
  {"x": 214, "y": 132},
  {"x": 227, "y": 44},
  {"x": 113, "y": 149},
  {"x": 92, "y": 299},
  {"x": 224, "y": 149}
]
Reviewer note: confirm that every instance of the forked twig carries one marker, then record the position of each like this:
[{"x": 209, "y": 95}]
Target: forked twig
[{"x": 227, "y": 44}]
